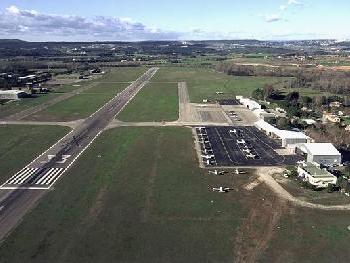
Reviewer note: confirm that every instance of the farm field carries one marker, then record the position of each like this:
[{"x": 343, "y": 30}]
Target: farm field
[
  {"x": 155, "y": 102},
  {"x": 21, "y": 144}
]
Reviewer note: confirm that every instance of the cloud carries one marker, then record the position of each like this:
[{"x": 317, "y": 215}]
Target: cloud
[
  {"x": 294, "y": 2},
  {"x": 15, "y": 22},
  {"x": 272, "y": 18}
]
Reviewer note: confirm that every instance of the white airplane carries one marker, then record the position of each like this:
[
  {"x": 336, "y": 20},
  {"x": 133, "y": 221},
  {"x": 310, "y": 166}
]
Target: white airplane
[
  {"x": 219, "y": 93},
  {"x": 216, "y": 172},
  {"x": 222, "y": 189},
  {"x": 233, "y": 131},
  {"x": 251, "y": 155},
  {"x": 246, "y": 150},
  {"x": 200, "y": 128},
  {"x": 209, "y": 156},
  {"x": 206, "y": 151},
  {"x": 239, "y": 172},
  {"x": 210, "y": 162},
  {"x": 241, "y": 141}
]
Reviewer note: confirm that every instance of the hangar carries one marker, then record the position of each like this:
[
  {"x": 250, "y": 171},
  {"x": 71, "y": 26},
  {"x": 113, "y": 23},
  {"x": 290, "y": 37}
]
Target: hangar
[
  {"x": 12, "y": 94},
  {"x": 286, "y": 138},
  {"x": 321, "y": 153}
]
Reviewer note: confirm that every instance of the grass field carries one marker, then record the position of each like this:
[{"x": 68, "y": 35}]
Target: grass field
[
  {"x": 307, "y": 235},
  {"x": 204, "y": 83},
  {"x": 17, "y": 106},
  {"x": 143, "y": 200},
  {"x": 122, "y": 74},
  {"x": 155, "y": 102},
  {"x": 81, "y": 105},
  {"x": 20, "y": 144}
]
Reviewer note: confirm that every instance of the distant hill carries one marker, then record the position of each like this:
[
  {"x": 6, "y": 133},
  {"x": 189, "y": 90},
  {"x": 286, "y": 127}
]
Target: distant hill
[{"x": 11, "y": 41}]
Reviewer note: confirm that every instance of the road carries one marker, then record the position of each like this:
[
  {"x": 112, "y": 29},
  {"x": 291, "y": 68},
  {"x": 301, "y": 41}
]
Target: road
[{"x": 20, "y": 193}]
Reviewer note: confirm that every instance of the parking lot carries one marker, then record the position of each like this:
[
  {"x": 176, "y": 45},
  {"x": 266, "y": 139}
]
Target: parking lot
[{"x": 240, "y": 146}]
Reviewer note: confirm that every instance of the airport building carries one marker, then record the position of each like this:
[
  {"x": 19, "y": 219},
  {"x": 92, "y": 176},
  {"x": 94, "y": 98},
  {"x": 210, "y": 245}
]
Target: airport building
[
  {"x": 12, "y": 94},
  {"x": 287, "y": 138},
  {"x": 317, "y": 177},
  {"x": 248, "y": 103},
  {"x": 321, "y": 153}
]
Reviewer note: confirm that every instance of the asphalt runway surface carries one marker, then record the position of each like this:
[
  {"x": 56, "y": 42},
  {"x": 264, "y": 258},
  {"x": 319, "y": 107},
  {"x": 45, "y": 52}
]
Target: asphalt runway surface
[
  {"x": 227, "y": 150},
  {"x": 20, "y": 192}
]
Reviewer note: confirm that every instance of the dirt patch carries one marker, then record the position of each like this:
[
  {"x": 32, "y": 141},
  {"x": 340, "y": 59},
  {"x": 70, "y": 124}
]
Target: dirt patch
[
  {"x": 149, "y": 190},
  {"x": 259, "y": 226}
]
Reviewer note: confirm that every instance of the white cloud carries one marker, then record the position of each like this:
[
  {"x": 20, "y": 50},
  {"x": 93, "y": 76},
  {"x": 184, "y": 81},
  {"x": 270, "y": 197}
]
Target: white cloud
[
  {"x": 294, "y": 2},
  {"x": 283, "y": 7},
  {"x": 15, "y": 22}
]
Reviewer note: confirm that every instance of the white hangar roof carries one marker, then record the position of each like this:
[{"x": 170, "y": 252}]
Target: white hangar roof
[{"x": 320, "y": 148}]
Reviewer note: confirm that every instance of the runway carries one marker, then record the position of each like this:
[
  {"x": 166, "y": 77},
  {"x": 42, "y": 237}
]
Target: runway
[{"x": 20, "y": 192}]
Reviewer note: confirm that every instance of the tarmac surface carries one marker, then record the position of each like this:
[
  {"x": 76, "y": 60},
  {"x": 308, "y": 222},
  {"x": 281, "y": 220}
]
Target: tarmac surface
[
  {"x": 247, "y": 146},
  {"x": 20, "y": 192},
  {"x": 229, "y": 102}
]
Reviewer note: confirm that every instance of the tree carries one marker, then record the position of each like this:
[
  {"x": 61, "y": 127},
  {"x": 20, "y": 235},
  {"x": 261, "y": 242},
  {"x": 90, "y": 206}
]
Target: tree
[
  {"x": 293, "y": 97},
  {"x": 283, "y": 123}
]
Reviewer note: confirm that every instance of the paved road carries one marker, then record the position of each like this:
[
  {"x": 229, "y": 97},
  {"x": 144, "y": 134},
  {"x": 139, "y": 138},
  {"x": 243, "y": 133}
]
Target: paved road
[{"x": 20, "y": 193}]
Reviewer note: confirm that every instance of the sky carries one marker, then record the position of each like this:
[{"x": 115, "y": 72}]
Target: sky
[{"x": 134, "y": 20}]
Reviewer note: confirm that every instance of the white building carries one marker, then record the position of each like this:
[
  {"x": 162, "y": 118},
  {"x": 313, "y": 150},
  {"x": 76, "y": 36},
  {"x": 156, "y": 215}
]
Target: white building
[
  {"x": 317, "y": 177},
  {"x": 263, "y": 114},
  {"x": 321, "y": 153},
  {"x": 250, "y": 104},
  {"x": 12, "y": 94},
  {"x": 287, "y": 138}
]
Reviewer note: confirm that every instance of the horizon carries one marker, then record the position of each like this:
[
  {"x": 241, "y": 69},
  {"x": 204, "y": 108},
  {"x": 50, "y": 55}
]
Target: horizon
[{"x": 273, "y": 20}]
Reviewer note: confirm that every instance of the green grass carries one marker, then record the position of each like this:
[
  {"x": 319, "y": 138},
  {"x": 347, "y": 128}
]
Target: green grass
[
  {"x": 204, "y": 83},
  {"x": 155, "y": 102},
  {"x": 107, "y": 88},
  {"x": 17, "y": 106},
  {"x": 308, "y": 234},
  {"x": 76, "y": 107},
  {"x": 20, "y": 144},
  {"x": 100, "y": 212},
  {"x": 122, "y": 74}
]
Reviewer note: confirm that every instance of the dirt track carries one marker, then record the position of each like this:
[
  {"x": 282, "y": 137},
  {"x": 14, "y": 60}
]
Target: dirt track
[{"x": 265, "y": 176}]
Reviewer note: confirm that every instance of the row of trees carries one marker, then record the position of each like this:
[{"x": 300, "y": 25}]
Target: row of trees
[{"x": 337, "y": 82}]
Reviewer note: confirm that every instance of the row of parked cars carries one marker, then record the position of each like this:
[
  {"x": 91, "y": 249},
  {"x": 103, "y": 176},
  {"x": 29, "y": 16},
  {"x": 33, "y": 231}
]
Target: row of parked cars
[{"x": 207, "y": 153}]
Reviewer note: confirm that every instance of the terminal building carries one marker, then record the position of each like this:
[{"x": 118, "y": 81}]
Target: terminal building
[
  {"x": 320, "y": 153},
  {"x": 286, "y": 138}
]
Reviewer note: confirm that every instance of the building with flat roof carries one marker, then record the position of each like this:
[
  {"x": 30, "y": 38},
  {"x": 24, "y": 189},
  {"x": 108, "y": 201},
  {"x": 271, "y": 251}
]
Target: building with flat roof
[
  {"x": 317, "y": 177},
  {"x": 12, "y": 94},
  {"x": 287, "y": 138},
  {"x": 321, "y": 153}
]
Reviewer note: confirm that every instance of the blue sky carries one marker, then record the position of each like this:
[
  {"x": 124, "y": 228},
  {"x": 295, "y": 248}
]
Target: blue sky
[{"x": 181, "y": 19}]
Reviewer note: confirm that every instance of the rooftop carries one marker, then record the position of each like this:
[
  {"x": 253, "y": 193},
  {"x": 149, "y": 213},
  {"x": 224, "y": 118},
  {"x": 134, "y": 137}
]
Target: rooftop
[
  {"x": 321, "y": 149},
  {"x": 316, "y": 172}
]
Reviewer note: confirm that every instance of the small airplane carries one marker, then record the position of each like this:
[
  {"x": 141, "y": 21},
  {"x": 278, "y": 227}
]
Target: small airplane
[
  {"x": 252, "y": 156},
  {"x": 216, "y": 172},
  {"x": 207, "y": 151},
  {"x": 246, "y": 150},
  {"x": 222, "y": 189},
  {"x": 200, "y": 128},
  {"x": 219, "y": 93},
  {"x": 209, "y": 156},
  {"x": 239, "y": 172},
  {"x": 209, "y": 162},
  {"x": 241, "y": 141},
  {"x": 233, "y": 131}
]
